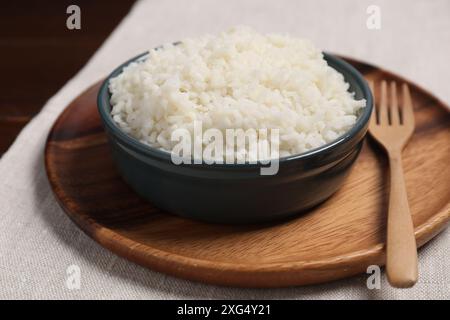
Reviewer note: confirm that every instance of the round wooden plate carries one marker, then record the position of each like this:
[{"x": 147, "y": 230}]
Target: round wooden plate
[{"x": 340, "y": 238}]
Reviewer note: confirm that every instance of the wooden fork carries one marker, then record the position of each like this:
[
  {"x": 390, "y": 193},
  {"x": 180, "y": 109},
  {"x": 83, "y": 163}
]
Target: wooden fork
[{"x": 392, "y": 126}]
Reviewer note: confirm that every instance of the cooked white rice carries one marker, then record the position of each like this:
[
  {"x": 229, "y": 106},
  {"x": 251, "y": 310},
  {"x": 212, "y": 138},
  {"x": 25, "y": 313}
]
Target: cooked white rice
[{"x": 238, "y": 79}]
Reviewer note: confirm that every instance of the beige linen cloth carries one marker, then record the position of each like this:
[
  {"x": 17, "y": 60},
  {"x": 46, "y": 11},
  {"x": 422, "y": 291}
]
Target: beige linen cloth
[{"x": 37, "y": 240}]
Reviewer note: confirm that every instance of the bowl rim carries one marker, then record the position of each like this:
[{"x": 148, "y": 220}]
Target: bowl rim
[{"x": 361, "y": 122}]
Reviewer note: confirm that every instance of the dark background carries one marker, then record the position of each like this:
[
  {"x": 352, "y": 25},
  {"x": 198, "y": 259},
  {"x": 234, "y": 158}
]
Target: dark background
[{"x": 39, "y": 54}]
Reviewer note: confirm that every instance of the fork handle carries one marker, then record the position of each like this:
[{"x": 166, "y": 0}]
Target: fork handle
[{"x": 401, "y": 257}]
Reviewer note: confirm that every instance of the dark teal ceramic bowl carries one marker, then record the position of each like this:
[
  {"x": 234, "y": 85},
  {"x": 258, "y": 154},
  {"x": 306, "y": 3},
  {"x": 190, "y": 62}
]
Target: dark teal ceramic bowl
[{"x": 237, "y": 193}]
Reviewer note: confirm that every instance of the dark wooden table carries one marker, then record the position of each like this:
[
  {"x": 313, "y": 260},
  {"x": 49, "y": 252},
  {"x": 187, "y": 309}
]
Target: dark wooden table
[{"x": 39, "y": 53}]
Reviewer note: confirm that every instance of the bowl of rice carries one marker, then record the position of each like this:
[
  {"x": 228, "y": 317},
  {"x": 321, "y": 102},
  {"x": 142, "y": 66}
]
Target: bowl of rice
[{"x": 235, "y": 128}]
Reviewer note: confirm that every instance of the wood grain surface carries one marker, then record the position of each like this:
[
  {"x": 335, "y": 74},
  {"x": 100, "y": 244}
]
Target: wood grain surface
[
  {"x": 339, "y": 238},
  {"x": 34, "y": 41}
]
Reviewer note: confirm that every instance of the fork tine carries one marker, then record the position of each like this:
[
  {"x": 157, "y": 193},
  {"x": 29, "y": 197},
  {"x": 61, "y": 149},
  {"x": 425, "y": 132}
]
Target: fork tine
[
  {"x": 395, "y": 116},
  {"x": 373, "y": 117},
  {"x": 383, "y": 109},
  {"x": 407, "y": 110}
]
